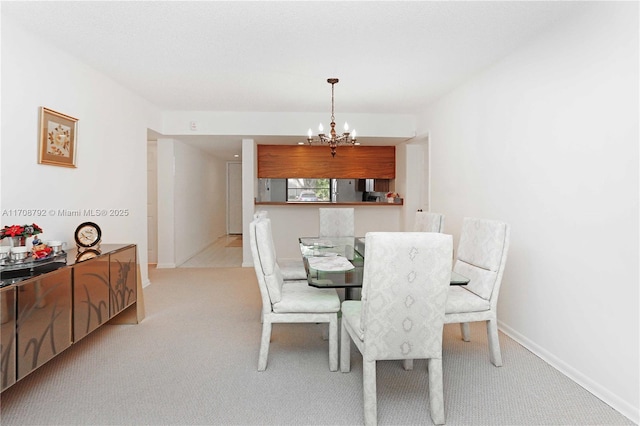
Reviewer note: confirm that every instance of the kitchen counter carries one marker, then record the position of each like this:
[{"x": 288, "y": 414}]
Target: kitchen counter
[{"x": 289, "y": 221}]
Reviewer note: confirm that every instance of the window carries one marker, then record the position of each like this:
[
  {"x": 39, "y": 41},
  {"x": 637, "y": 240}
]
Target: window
[{"x": 299, "y": 189}]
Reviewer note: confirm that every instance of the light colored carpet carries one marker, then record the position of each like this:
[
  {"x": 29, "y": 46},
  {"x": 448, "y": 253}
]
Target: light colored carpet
[{"x": 193, "y": 361}]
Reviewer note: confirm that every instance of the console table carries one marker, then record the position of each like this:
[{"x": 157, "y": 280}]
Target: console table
[{"x": 54, "y": 304}]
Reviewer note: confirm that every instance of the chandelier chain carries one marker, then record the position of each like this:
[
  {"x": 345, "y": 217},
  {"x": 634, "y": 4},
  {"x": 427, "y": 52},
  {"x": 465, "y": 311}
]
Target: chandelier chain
[{"x": 332, "y": 104}]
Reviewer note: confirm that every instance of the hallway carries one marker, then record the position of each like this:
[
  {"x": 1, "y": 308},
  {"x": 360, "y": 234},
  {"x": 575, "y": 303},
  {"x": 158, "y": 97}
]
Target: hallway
[{"x": 225, "y": 252}]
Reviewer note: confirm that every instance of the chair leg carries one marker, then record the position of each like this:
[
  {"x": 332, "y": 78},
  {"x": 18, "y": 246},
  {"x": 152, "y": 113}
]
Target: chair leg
[
  {"x": 345, "y": 349},
  {"x": 264, "y": 345},
  {"x": 325, "y": 331},
  {"x": 494, "y": 343},
  {"x": 333, "y": 343},
  {"x": 369, "y": 391},
  {"x": 436, "y": 392},
  {"x": 407, "y": 364},
  {"x": 465, "y": 331}
]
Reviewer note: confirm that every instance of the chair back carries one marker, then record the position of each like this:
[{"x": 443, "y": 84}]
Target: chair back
[
  {"x": 336, "y": 222},
  {"x": 261, "y": 214},
  {"x": 428, "y": 222},
  {"x": 268, "y": 272},
  {"x": 482, "y": 254},
  {"x": 404, "y": 292}
]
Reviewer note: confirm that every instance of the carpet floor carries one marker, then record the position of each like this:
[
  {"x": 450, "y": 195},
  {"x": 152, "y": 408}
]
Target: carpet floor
[{"x": 193, "y": 361}]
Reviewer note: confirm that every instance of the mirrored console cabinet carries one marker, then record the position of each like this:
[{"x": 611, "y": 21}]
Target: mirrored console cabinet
[{"x": 46, "y": 307}]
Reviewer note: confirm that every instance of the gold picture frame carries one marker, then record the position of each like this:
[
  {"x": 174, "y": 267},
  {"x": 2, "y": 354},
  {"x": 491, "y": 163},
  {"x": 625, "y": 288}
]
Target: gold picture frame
[{"x": 57, "y": 139}]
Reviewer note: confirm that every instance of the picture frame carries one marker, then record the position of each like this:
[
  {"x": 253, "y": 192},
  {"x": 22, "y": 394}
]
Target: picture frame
[{"x": 57, "y": 138}]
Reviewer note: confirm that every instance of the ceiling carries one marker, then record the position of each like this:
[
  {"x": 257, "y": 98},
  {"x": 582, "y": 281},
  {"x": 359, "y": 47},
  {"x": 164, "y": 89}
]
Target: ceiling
[{"x": 392, "y": 57}]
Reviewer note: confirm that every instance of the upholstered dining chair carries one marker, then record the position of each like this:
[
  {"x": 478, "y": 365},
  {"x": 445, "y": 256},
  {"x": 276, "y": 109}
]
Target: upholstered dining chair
[
  {"x": 481, "y": 256},
  {"x": 336, "y": 222},
  {"x": 425, "y": 222},
  {"x": 289, "y": 301},
  {"x": 428, "y": 222},
  {"x": 292, "y": 269},
  {"x": 261, "y": 214},
  {"x": 401, "y": 312}
]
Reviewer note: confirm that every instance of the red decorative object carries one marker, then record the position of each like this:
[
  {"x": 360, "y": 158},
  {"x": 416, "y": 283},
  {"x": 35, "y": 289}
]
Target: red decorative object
[
  {"x": 40, "y": 253},
  {"x": 20, "y": 231}
]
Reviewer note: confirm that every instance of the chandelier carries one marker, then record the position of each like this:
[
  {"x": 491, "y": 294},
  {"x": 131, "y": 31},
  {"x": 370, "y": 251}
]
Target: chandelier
[{"x": 332, "y": 138}]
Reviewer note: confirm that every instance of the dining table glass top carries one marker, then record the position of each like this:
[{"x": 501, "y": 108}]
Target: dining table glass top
[{"x": 338, "y": 262}]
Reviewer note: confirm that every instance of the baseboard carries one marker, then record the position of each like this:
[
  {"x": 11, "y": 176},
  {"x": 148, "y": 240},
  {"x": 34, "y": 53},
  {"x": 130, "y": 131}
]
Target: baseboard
[
  {"x": 599, "y": 391},
  {"x": 165, "y": 265}
]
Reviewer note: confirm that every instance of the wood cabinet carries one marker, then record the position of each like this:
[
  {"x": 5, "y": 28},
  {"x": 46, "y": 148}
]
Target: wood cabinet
[
  {"x": 303, "y": 161},
  {"x": 45, "y": 314}
]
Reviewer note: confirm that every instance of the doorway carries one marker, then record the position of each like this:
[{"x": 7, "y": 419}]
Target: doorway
[{"x": 152, "y": 202}]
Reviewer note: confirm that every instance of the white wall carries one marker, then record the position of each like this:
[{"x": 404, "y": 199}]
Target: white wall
[
  {"x": 409, "y": 180},
  {"x": 191, "y": 201},
  {"x": 111, "y": 144},
  {"x": 547, "y": 140},
  {"x": 200, "y": 200},
  {"x": 249, "y": 189},
  {"x": 166, "y": 203},
  {"x": 283, "y": 123}
]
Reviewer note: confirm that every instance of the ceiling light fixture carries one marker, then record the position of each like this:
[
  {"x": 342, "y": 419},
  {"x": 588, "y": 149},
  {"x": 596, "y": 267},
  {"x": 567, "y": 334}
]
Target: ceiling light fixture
[{"x": 333, "y": 139}]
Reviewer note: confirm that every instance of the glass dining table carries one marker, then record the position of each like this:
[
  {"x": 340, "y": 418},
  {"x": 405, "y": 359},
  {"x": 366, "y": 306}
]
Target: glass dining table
[{"x": 338, "y": 262}]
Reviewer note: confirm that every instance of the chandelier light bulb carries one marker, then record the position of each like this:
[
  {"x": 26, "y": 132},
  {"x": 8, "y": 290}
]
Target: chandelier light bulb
[
  {"x": 310, "y": 133},
  {"x": 353, "y": 134},
  {"x": 320, "y": 128},
  {"x": 346, "y": 127}
]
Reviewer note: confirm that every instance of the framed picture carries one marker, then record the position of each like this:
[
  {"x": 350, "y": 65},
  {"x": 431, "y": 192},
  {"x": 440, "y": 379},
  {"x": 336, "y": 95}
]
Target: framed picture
[{"x": 58, "y": 134}]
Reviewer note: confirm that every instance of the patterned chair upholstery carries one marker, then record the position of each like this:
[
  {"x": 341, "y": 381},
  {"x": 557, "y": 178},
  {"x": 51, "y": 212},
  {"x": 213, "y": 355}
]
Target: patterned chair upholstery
[
  {"x": 289, "y": 301},
  {"x": 401, "y": 313},
  {"x": 481, "y": 256},
  {"x": 425, "y": 222},
  {"x": 428, "y": 222},
  {"x": 336, "y": 222},
  {"x": 292, "y": 269}
]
